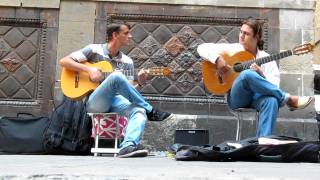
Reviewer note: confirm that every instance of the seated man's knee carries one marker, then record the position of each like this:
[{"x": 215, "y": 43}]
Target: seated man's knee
[
  {"x": 272, "y": 101},
  {"x": 247, "y": 73},
  {"x": 138, "y": 112},
  {"x": 93, "y": 108},
  {"x": 117, "y": 75}
]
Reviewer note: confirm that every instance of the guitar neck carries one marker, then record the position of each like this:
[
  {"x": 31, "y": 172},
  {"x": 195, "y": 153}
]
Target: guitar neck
[
  {"x": 125, "y": 72},
  {"x": 263, "y": 60}
]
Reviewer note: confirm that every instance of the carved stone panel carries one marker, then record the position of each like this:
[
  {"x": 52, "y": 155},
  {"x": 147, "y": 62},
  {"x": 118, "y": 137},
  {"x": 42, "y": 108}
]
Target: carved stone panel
[
  {"x": 22, "y": 43},
  {"x": 172, "y": 41}
]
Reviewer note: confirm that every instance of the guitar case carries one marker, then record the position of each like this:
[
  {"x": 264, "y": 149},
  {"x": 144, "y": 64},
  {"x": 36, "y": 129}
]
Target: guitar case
[
  {"x": 250, "y": 150},
  {"x": 22, "y": 134}
]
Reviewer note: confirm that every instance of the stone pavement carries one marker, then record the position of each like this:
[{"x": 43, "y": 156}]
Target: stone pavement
[{"x": 14, "y": 167}]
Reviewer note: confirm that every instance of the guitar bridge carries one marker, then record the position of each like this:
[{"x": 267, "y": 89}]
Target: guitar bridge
[
  {"x": 76, "y": 80},
  {"x": 220, "y": 78}
]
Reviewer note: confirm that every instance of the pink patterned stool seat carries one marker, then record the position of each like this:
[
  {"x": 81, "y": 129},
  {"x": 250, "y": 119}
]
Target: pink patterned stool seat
[{"x": 107, "y": 126}]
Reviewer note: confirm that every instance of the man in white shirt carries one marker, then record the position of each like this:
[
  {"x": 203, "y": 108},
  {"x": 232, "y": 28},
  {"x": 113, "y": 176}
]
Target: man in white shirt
[{"x": 257, "y": 87}]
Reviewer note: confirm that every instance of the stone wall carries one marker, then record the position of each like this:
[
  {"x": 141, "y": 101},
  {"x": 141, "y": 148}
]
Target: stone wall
[{"x": 317, "y": 32}]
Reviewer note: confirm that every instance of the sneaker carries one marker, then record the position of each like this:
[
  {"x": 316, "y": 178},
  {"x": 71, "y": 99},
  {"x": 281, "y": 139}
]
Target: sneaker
[
  {"x": 156, "y": 115},
  {"x": 133, "y": 151},
  {"x": 300, "y": 102}
]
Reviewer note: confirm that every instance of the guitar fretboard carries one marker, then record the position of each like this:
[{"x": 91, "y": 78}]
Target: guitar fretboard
[
  {"x": 246, "y": 65},
  {"x": 130, "y": 72}
]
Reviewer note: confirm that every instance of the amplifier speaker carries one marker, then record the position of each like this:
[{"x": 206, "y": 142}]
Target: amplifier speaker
[{"x": 195, "y": 137}]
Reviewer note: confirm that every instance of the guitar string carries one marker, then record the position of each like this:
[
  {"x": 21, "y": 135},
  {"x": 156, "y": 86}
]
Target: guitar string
[{"x": 263, "y": 60}]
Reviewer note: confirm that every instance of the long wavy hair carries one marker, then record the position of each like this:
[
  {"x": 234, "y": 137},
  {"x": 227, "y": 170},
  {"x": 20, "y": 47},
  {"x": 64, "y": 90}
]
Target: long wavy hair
[{"x": 257, "y": 30}]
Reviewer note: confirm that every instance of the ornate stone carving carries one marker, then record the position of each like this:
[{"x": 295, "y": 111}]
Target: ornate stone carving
[
  {"x": 196, "y": 71},
  {"x": 185, "y": 83},
  {"x": 4, "y": 48},
  {"x": 177, "y": 71},
  {"x": 138, "y": 57},
  {"x": 193, "y": 48},
  {"x": 161, "y": 58},
  {"x": 10, "y": 64},
  {"x": 172, "y": 41},
  {"x": 24, "y": 61},
  {"x": 185, "y": 59},
  {"x": 187, "y": 35},
  {"x": 174, "y": 46},
  {"x": 149, "y": 46}
]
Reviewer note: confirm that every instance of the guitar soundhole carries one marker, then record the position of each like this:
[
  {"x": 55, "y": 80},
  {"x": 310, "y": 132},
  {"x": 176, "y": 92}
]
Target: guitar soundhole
[{"x": 237, "y": 67}]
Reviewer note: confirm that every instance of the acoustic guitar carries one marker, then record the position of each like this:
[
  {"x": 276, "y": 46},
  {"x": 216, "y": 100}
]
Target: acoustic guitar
[
  {"x": 76, "y": 85},
  {"x": 220, "y": 85}
]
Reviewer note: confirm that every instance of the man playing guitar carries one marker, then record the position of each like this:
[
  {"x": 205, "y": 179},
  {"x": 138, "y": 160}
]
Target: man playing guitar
[
  {"x": 117, "y": 92},
  {"x": 257, "y": 87}
]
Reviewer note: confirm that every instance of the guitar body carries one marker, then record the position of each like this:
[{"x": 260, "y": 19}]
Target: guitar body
[
  {"x": 76, "y": 85},
  {"x": 221, "y": 85}
]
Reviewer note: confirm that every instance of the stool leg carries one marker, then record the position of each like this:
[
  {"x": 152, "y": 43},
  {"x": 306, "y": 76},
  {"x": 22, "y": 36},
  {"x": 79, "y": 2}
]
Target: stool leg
[
  {"x": 239, "y": 124},
  {"x": 117, "y": 134},
  {"x": 96, "y": 144},
  {"x": 96, "y": 138},
  {"x": 257, "y": 120}
]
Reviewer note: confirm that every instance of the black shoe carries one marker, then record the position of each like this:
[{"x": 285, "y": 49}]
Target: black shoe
[
  {"x": 156, "y": 115},
  {"x": 133, "y": 151}
]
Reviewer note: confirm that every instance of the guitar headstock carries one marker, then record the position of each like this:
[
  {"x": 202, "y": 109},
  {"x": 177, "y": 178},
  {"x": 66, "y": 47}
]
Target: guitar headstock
[
  {"x": 302, "y": 49},
  {"x": 159, "y": 71}
]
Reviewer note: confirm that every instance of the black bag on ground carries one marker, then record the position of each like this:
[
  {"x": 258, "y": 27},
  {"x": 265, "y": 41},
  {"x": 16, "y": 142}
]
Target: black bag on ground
[
  {"x": 22, "y": 134},
  {"x": 251, "y": 150},
  {"x": 69, "y": 131}
]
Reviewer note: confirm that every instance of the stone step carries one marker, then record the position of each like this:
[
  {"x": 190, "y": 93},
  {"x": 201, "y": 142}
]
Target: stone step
[{"x": 160, "y": 135}]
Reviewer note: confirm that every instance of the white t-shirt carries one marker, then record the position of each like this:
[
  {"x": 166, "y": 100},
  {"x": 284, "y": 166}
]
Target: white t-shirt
[{"x": 211, "y": 51}]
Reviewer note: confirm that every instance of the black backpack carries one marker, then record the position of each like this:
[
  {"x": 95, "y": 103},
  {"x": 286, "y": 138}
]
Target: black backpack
[{"x": 69, "y": 131}]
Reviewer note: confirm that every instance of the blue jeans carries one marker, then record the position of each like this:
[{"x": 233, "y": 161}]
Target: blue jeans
[
  {"x": 251, "y": 90},
  {"x": 116, "y": 94}
]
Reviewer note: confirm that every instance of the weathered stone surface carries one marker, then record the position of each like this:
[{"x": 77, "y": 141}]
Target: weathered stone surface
[
  {"x": 40, "y": 3},
  {"x": 162, "y": 34},
  {"x": 75, "y": 29},
  {"x": 174, "y": 46},
  {"x": 10, "y": 3},
  {"x": 297, "y": 64},
  {"x": 138, "y": 33},
  {"x": 301, "y": 4},
  {"x": 248, "y": 3},
  {"x": 289, "y": 38}
]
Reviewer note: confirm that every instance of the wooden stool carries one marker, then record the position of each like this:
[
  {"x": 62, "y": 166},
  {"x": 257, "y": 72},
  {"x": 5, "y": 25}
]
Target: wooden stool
[{"x": 107, "y": 126}]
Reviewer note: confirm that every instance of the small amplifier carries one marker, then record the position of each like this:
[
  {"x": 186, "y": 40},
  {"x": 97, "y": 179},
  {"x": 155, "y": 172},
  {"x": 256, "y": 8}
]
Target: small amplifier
[{"x": 195, "y": 137}]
